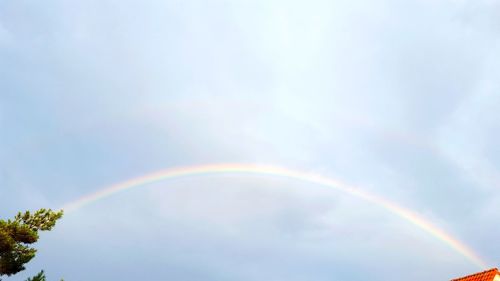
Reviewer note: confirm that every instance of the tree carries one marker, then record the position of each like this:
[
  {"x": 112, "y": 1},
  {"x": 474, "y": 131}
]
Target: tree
[
  {"x": 18, "y": 234},
  {"x": 39, "y": 277}
]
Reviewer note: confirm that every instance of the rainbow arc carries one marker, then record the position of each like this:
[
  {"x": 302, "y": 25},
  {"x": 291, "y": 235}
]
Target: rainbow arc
[{"x": 276, "y": 171}]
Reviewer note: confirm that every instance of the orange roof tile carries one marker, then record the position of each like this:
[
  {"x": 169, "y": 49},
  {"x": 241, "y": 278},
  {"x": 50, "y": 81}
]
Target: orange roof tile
[{"x": 487, "y": 275}]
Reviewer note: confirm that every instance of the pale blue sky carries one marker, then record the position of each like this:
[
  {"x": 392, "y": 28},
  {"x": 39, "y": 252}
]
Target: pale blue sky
[{"x": 400, "y": 98}]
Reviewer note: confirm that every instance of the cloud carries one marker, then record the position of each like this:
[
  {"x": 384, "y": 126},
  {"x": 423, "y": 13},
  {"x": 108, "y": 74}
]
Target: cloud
[
  {"x": 241, "y": 227},
  {"x": 396, "y": 98}
]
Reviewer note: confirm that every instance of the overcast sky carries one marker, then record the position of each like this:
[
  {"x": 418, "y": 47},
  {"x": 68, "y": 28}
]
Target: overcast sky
[{"x": 401, "y": 98}]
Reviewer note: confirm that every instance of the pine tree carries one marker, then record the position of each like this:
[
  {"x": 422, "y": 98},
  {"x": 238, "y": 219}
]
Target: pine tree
[
  {"x": 39, "y": 277},
  {"x": 18, "y": 234}
]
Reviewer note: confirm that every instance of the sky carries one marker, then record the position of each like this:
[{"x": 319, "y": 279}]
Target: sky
[{"x": 399, "y": 98}]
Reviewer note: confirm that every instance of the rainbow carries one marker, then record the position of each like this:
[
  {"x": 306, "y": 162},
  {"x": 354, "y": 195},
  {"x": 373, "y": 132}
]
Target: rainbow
[{"x": 402, "y": 212}]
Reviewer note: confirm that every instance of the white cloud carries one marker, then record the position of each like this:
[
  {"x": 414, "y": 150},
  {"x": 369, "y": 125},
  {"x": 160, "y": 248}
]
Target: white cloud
[{"x": 105, "y": 90}]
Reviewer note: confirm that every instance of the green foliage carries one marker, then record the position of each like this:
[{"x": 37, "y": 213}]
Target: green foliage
[
  {"x": 39, "y": 277},
  {"x": 16, "y": 236}
]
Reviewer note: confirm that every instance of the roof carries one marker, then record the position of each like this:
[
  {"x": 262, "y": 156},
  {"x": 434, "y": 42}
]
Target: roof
[{"x": 487, "y": 275}]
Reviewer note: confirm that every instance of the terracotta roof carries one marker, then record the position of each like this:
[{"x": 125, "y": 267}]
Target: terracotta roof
[{"x": 487, "y": 275}]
